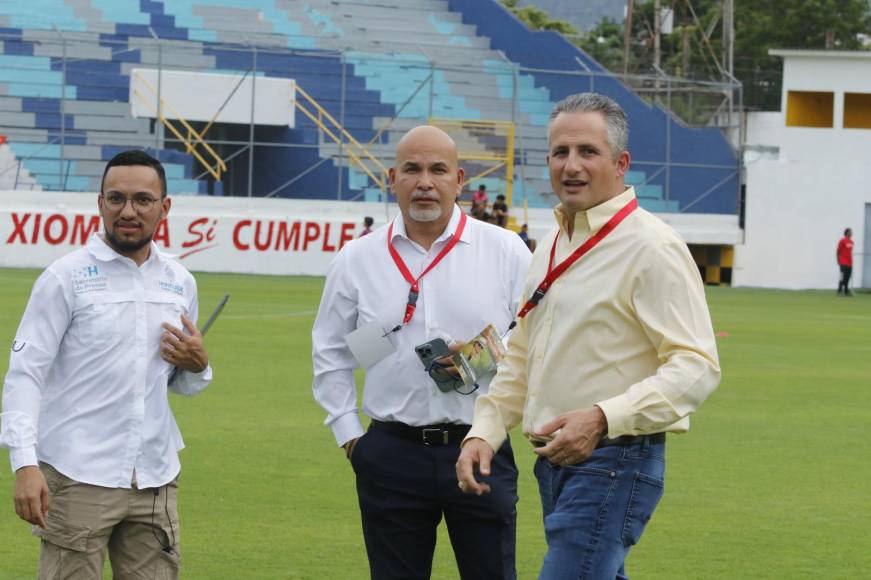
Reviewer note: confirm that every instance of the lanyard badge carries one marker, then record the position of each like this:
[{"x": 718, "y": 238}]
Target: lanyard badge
[
  {"x": 414, "y": 290},
  {"x": 554, "y": 273}
]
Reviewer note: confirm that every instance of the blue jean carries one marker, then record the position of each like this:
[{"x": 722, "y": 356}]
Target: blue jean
[{"x": 594, "y": 512}]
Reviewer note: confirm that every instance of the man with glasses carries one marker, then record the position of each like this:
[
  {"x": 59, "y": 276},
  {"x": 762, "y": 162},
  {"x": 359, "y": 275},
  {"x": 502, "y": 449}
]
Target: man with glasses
[
  {"x": 430, "y": 273},
  {"x": 91, "y": 437}
]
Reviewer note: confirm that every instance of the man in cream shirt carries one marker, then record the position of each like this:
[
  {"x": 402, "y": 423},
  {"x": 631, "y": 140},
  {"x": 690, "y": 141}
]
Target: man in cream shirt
[{"x": 607, "y": 357}]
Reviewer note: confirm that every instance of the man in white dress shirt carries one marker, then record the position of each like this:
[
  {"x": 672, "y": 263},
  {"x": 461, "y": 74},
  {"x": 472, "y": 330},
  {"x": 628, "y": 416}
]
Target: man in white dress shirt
[
  {"x": 431, "y": 273},
  {"x": 90, "y": 434}
]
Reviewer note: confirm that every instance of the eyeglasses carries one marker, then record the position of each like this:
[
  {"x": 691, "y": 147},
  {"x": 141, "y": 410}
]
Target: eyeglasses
[{"x": 142, "y": 202}]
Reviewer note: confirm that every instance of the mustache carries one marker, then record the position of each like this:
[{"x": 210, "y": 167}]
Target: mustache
[{"x": 424, "y": 196}]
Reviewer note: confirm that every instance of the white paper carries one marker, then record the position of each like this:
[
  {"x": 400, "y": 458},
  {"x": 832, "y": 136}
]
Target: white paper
[{"x": 369, "y": 344}]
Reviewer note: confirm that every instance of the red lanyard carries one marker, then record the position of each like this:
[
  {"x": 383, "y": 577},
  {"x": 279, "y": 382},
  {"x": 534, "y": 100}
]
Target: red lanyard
[
  {"x": 414, "y": 292},
  {"x": 554, "y": 273}
]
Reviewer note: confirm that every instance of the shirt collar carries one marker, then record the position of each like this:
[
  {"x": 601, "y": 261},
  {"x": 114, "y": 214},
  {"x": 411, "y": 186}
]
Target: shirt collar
[
  {"x": 98, "y": 248},
  {"x": 399, "y": 227},
  {"x": 595, "y": 217}
]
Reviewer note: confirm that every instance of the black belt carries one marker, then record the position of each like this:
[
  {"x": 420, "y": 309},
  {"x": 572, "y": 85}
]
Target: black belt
[
  {"x": 443, "y": 434},
  {"x": 621, "y": 441}
]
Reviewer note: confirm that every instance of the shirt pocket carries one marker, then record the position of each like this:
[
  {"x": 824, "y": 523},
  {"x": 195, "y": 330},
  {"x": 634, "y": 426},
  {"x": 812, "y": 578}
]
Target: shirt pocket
[
  {"x": 170, "y": 313},
  {"x": 103, "y": 322}
]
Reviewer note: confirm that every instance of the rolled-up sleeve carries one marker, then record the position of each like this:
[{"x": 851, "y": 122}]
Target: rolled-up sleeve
[
  {"x": 45, "y": 321},
  {"x": 669, "y": 303}
]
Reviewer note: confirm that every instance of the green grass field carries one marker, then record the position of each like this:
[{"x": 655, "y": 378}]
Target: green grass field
[{"x": 773, "y": 481}]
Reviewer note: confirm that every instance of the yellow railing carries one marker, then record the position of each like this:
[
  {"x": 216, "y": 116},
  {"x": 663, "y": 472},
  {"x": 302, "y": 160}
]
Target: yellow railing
[
  {"x": 356, "y": 151},
  {"x": 499, "y": 159},
  {"x": 193, "y": 139}
]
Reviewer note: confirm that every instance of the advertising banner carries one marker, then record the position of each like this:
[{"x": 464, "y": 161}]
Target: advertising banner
[{"x": 243, "y": 235}]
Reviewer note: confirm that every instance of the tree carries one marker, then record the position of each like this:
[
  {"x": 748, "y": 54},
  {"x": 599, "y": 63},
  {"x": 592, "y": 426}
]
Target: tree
[
  {"x": 537, "y": 19},
  {"x": 759, "y": 26}
]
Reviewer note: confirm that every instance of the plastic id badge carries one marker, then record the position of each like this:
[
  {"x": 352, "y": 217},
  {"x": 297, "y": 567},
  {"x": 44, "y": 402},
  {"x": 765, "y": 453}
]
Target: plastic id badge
[{"x": 369, "y": 344}]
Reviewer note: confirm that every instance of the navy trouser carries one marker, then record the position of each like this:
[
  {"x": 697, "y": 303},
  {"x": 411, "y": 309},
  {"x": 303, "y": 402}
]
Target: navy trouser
[
  {"x": 594, "y": 512},
  {"x": 405, "y": 487}
]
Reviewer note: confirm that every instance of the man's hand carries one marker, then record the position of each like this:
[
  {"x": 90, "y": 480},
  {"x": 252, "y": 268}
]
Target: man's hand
[
  {"x": 580, "y": 432},
  {"x": 475, "y": 452},
  {"x": 31, "y": 495},
  {"x": 349, "y": 447},
  {"x": 447, "y": 362},
  {"x": 184, "y": 350}
]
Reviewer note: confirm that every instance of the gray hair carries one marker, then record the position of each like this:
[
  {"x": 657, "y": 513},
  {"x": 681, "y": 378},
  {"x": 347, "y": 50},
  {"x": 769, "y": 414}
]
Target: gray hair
[{"x": 615, "y": 118}]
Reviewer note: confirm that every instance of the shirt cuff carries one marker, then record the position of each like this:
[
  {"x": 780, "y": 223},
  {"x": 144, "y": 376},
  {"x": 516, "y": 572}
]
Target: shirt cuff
[
  {"x": 494, "y": 436},
  {"x": 22, "y": 457},
  {"x": 617, "y": 412},
  {"x": 205, "y": 374},
  {"x": 347, "y": 427}
]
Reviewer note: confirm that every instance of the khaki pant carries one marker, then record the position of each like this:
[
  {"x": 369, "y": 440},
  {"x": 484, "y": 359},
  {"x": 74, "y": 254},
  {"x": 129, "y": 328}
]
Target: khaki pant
[{"x": 138, "y": 526}]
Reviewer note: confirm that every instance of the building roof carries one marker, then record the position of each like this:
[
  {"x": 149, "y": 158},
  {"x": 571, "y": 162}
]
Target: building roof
[{"x": 817, "y": 53}]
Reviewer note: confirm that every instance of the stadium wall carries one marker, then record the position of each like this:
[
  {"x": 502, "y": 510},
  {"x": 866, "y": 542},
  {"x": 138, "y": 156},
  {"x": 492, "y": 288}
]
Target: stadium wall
[
  {"x": 247, "y": 235},
  {"x": 806, "y": 184}
]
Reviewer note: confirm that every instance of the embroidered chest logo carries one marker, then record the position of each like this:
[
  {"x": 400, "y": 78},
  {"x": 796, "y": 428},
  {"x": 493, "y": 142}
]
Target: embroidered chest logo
[
  {"x": 168, "y": 286},
  {"x": 87, "y": 279}
]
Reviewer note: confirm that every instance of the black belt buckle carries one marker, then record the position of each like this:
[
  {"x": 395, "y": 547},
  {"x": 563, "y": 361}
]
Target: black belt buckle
[{"x": 426, "y": 433}]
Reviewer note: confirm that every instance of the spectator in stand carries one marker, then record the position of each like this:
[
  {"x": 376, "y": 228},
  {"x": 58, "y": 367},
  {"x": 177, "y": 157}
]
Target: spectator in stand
[
  {"x": 500, "y": 211},
  {"x": 524, "y": 234},
  {"x": 845, "y": 261},
  {"x": 367, "y": 226},
  {"x": 479, "y": 202}
]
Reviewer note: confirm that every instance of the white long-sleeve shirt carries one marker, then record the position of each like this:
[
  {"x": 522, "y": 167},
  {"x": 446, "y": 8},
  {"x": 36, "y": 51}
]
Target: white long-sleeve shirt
[
  {"x": 86, "y": 389},
  {"x": 478, "y": 283}
]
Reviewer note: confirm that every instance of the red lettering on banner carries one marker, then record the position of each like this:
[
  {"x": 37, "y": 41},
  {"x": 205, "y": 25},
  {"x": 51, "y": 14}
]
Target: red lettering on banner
[
  {"x": 262, "y": 246},
  {"x": 161, "y": 234},
  {"x": 286, "y": 235},
  {"x": 312, "y": 231},
  {"x": 236, "y": 241},
  {"x": 35, "y": 236},
  {"x": 192, "y": 229},
  {"x": 346, "y": 236},
  {"x": 55, "y": 240},
  {"x": 19, "y": 228},
  {"x": 83, "y": 232},
  {"x": 327, "y": 247}
]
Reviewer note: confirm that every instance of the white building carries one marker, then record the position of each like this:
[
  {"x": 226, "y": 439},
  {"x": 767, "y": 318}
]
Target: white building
[{"x": 808, "y": 175}]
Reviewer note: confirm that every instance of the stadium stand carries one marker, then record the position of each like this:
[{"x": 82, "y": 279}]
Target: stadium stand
[{"x": 377, "y": 66}]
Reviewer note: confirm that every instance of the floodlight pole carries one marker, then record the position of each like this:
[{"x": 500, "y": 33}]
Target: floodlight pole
[
  {"x": 158, "y": 123},
  {"x": 251, "y": 125},
  {"x": 63, "y": 108}
]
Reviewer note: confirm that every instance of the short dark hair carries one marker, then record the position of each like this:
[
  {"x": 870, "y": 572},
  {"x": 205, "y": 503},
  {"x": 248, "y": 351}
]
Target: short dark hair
[
  {"x": 848, "y": 231},
  {"x": 136, "y": 157},
  {"x": 482, "y": 186},
  {"x": 368, "y": 221},
  {"x": 500, "y": 197}
]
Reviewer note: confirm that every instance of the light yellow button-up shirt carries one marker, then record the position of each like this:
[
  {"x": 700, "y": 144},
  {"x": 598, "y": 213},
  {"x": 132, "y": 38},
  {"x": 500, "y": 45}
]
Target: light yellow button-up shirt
[{"x": 626, "y": 328}]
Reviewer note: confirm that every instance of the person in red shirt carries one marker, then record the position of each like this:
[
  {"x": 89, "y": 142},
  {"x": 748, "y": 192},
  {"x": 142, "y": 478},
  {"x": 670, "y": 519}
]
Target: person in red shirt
[
  {"x": 479, "y": 202},
  {"x": 845, "y": 261}
]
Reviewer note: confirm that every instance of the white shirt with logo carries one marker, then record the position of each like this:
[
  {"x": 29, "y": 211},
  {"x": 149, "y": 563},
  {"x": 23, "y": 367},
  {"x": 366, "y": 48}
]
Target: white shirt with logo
[{"x": 86, "y": 390}]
